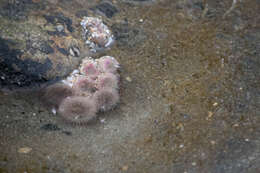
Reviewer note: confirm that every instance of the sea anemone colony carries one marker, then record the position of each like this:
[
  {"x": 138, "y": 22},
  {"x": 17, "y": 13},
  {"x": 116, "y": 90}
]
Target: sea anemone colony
[
  {"x": 96, "y": 33},
  {"x": 87, "y": 90}
]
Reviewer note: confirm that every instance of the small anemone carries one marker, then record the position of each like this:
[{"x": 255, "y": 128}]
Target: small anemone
[
  {"x": 84, "y": 84},
  {"x": 106, "y": 99},
  {"x": 55, "y": 94},
  {"x": 78, "y": 110},
  {"x": 108, "y": 64},
  {"x": 107, "y": 80},
  {"x": 89, "y": 68}
]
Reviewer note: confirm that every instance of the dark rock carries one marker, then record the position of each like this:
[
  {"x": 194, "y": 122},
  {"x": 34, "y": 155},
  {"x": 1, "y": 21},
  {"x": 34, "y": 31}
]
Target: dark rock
[
  {"x": 15, "y": 71},
  {"x": 18, "y": 9},
  {"x": 57, "y": 33},
  {"x": 37, "y": 51},
  {"x": 68, "y": 133},
  {"x": 199, "y": 5},
  {"x": 127, "y": 36},
  {"x": 46, "y": 48},
  {"x": 60, "y": 18},
  {"x": 63, "y": 51},
  {"x": 81, "y": 13},
  {"x": 106, "y": 9},
  {"x": 50, "y": 127}
]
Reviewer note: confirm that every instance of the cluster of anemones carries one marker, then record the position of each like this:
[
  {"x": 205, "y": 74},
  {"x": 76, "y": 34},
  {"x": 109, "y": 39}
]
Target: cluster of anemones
[{"x": 91, "y": 88}]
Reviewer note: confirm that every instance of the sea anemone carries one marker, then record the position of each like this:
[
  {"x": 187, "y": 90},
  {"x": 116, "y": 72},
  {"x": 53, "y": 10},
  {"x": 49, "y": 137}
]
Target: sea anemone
[
  {"x": 84, "y": 84},
  {"x": 88, "y": 67},
  {"x": 96, "y": 33},
  {"x": 54, "y": 94},
  {"x": 107, "y": 80},
  {"x": 106, "y": 99},
  {"x": 108, "y": 64},
  {"x": 78, "y": 109}
]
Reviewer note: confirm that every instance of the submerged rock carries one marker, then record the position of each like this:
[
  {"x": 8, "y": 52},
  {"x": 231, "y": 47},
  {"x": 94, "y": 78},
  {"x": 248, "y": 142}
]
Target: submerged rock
[
  {"x": 18, "y": 10},
  {"x": 17, "y": 71},
  {"x": 60, "y": 18},
  {"x": 127, "y": 36},
  {"x": 107, "y": 9},
  {"x": 81, "y": 13},
  {"x": 50, "y": 127},
  {"x": 36, "y": 46}
]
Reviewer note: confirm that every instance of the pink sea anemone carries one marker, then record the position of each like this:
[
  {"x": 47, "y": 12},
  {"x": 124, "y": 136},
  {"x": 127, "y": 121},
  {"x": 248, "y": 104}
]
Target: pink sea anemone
[
  {"x": 107, "y": 80},
  {"x": 77, "y": 109},
  {"x": 84, "y": 84},
  {"x": 54, "y": 94},
  {"x": 89, "y": 68},
  {"x": 108, "y": 64},
  {"x": 106, "y": 99}
]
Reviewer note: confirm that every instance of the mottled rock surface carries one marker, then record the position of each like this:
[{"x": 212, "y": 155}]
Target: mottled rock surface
[{"x": 36, "y": 44}]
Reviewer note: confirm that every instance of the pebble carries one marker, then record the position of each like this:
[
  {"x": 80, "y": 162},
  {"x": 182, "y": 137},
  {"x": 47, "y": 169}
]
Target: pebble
[
  {"x": 50, "y": 127},
  {"x": 181, "y": 146},
  {"x": 212, "y": 142},
  {"x": 236, "y": 125},
  {"x": 54, "y": 111},
  {"x": 222, "y": 63},
  {"x": 210, "y": 114},
  {"x": 68, "y": 133},
  {"x": 125, "y": 168},
  {"x": 24, "y": 150},
  {"x": 128, "y": 79},
  {"x": 60, "y": 28},
  {"x": 180, "y": 127},
  {"x": 193, "y": 163},
  {"x": 103, "y": 120}
]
